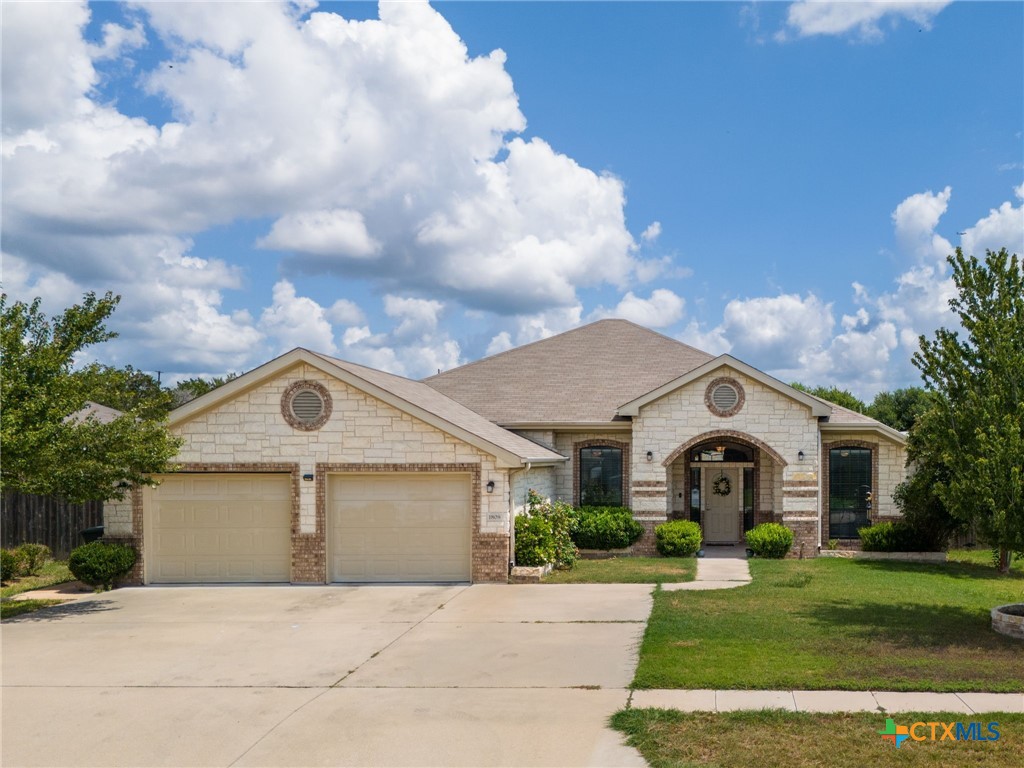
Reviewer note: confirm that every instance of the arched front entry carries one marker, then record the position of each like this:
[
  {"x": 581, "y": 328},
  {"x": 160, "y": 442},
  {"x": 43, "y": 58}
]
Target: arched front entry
[{"x": 726, "y": 482}]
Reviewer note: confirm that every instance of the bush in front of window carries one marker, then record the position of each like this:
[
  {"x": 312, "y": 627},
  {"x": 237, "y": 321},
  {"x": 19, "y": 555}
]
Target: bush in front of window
[
  {"x": 897, "y": 536},
  {"x": 770, "y": 540},
  {"x": 679, "y": 538},
  {"x": 605, "y": 528}
]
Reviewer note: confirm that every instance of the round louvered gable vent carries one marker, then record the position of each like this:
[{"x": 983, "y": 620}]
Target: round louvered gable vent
[
  {"x": 306, "y": 405},
  {"x": 724, "y": 397}
]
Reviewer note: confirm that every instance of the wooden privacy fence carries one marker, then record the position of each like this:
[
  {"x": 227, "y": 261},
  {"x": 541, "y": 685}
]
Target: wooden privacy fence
[{"x": 29, "y": 519}]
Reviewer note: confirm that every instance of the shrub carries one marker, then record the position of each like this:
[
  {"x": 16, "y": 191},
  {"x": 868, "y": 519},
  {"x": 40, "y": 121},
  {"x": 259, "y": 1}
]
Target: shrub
[
  {"x": 898, "y": 536},
  {"x": 605, "y": 528},
  {"x": 100, "y": 563},
  {"x": 11, "y": 564},
  {"x": 535, "y": 540},
  {"x": 680, "y": 538},
  {"x": 770, "y": 540},
  {"x": 34, "y": 557},
  {"x": 546, "y": 533}
]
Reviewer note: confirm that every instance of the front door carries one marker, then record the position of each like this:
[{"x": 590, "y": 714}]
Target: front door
[{"x": 722, "y": 510}]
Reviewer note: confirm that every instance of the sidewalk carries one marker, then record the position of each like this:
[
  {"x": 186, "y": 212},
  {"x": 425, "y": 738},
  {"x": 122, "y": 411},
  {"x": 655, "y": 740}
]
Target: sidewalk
[
  {"x": 720, "y": 568},
  {"x": 828, "y": 701}
]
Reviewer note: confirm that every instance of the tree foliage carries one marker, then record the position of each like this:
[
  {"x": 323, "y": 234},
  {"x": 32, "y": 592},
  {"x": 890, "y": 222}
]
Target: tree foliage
[
  {"x": 974, "y": 428},
  {"x": 900, "y": 408},
  {"x": 47, "y": 449},
  {"x": 189, "y": 389},
  {"x": 834, "y": 394}
]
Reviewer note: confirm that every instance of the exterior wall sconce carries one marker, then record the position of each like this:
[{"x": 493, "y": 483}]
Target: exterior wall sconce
[
  {"x": 650, "y": 455},
  {"x": 308, "y": 476},
  {"x": 490, "y": 486},
  {"x": 800, "y": 456}
]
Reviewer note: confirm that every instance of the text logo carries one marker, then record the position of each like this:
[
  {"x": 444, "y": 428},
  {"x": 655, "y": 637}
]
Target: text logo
[{"x": 933, "y": 731}]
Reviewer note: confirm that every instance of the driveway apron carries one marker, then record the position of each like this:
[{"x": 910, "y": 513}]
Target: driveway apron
[{"x": 358, "y": 676}]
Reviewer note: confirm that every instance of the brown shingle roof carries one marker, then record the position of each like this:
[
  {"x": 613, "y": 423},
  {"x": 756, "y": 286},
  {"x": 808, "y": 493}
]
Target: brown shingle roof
[
  {"x": 433, "y": 401},
  {"x": 580, "y": 376}
]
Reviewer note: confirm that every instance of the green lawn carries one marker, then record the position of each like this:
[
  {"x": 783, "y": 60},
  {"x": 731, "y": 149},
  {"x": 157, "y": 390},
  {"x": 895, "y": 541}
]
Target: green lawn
[
  {"x": 981, "y": 557},
  {"x": 627, "y": 570},
  {"x": 52, "y": 572},
  {"x": 797, "y": 739},
  {"x": 838, "y": 624}
]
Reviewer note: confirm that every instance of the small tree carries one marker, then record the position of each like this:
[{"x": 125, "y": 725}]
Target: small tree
[
  {"x": 900, "y": 408},
  {"x": 834, "y": 394},
  {"x": 975, "y": 426},
  {"x": 47, "y": 449}
]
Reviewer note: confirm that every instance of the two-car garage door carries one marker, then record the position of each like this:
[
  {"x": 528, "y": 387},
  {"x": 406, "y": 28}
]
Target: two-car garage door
[{"x": 382, "y": 527}]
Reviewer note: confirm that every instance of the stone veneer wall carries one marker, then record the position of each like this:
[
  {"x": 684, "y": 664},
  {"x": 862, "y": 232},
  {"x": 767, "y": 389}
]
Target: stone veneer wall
[
  {"x": 779, "y": 427},
  {"x": 250, "y": 431}
]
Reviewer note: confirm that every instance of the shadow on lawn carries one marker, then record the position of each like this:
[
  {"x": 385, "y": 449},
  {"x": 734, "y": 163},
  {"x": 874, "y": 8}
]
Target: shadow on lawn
[
  {"x": 64, "y": 610},
  {"x": 952, "y": 569},
  {"x": 910, "y": 625}
]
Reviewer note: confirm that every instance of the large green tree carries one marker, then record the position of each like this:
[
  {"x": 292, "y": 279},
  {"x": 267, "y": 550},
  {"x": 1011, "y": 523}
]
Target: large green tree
[
  {"x": 974, "y": 428},
  {"x": 47, "y": 448},
  {"x": 833, "y": 394},
  {"x": 900, "y": 408}
]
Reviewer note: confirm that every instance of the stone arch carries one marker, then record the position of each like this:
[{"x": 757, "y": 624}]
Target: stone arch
[{"x": 726, "y": 434}]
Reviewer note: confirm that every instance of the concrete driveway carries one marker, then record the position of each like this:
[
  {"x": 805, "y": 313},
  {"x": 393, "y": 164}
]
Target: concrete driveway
[{"x": 340, "y": 676}]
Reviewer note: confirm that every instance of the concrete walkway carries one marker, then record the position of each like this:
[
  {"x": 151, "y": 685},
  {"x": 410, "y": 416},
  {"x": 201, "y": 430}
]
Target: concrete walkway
[
  {"x": 720, "y": 568},
  {"x": 829, "y": 701}
]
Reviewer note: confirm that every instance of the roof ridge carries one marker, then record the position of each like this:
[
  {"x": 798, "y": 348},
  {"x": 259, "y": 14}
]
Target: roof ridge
[{"x": 553, "y": 337}]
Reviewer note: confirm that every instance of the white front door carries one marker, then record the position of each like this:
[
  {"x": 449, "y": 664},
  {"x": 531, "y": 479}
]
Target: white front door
[{"x": 722, "y": 509}]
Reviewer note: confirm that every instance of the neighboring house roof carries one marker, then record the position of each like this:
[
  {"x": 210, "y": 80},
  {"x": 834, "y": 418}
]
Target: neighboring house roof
[
  {"x": 104, "y": 414},
  {"x": 412, "y": 397},
  {"x": 581, "y": 376}
]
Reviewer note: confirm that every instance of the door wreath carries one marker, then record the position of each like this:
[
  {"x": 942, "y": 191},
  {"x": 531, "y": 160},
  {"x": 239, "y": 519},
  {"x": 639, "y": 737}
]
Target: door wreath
[{"x": 721, "y": 486}]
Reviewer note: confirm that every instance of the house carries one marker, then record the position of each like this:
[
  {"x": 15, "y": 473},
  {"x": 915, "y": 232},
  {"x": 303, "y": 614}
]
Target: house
[{"x": 311, "y": 469}]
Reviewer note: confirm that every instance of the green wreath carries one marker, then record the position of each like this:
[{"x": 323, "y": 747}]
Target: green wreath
[{"x": 721, "y": 486}]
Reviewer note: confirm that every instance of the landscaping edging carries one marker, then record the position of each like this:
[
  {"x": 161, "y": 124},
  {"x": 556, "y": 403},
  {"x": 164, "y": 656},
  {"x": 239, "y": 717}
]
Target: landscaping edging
[
  {"x": 1009, "y": 620},
  {"x": 903, "y": 557},
  {"x": 605, "y": 554},
  {"x": 522, "y": 574}
]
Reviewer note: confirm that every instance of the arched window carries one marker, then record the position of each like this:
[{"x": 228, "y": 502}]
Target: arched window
[
  {"x": 722, "y": 451},
  {"x": 601, "y": 476}
]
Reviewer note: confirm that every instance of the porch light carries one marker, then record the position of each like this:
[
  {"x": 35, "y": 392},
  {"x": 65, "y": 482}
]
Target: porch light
[
  {"x": 800, "y": 456},
  {"x": 719, "y": 449},
  {"x": 490, "y": 486},
  {"x": 650, "y": 455}
]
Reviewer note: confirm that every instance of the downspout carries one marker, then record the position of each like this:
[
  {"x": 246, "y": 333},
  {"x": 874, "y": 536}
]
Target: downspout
[
  {"x": 512, "y": 516},
  {"x": 821, "y": 488}
]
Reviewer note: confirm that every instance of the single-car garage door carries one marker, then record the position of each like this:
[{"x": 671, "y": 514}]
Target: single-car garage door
[
  {"x": 219, "y": 528},
  {"x": 403, "y": 527}
]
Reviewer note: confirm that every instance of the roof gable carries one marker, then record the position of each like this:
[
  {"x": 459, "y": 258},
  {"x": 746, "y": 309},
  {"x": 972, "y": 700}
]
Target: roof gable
[
  {"x": 581, "y": 376},
  {"x": 411, "y": 397},
  {"x": 816, "y": 406}
]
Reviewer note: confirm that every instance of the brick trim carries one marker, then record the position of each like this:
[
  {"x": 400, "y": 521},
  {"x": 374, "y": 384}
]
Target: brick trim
[
  {"x": 574, "y": 462},
  {"x": 138, "y": 538},
  {"x": 728, "y": 434},
  {"x": 826, "y": 471},
  {"x": 485, "y": 548}
]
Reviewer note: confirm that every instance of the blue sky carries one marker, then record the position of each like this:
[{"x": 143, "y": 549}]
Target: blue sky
[{"x": 413, "y": 187}]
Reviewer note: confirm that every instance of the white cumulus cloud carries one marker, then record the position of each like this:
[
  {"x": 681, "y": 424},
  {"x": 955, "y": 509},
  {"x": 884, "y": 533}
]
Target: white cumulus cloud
[{"x": 863, "y": 19}]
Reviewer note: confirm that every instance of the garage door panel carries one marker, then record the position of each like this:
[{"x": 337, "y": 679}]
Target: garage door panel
[
  {"x": 399, "y": 527},
  {"x": 220, "y": 528}
]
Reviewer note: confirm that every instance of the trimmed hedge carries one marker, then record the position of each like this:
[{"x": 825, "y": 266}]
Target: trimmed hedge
[
  {"x": 605, "y": 528},
  {"x": 100, "y": 563},
  {"x": 680, "y": 538},
  {"x": 11, "y": 564},
  {"x": 770, "y": 540},
  {"x": 895, "y": 536}
]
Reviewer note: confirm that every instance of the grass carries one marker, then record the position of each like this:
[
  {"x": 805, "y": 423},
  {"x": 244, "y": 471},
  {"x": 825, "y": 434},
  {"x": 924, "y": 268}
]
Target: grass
[
  {"x": 52, "y": 572},
  {"x": 982, "y": 557},
  {"x": 838, "y": 624},
  {"x": 800, "y": 739},
  {"x": 627, "y": 570}
]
